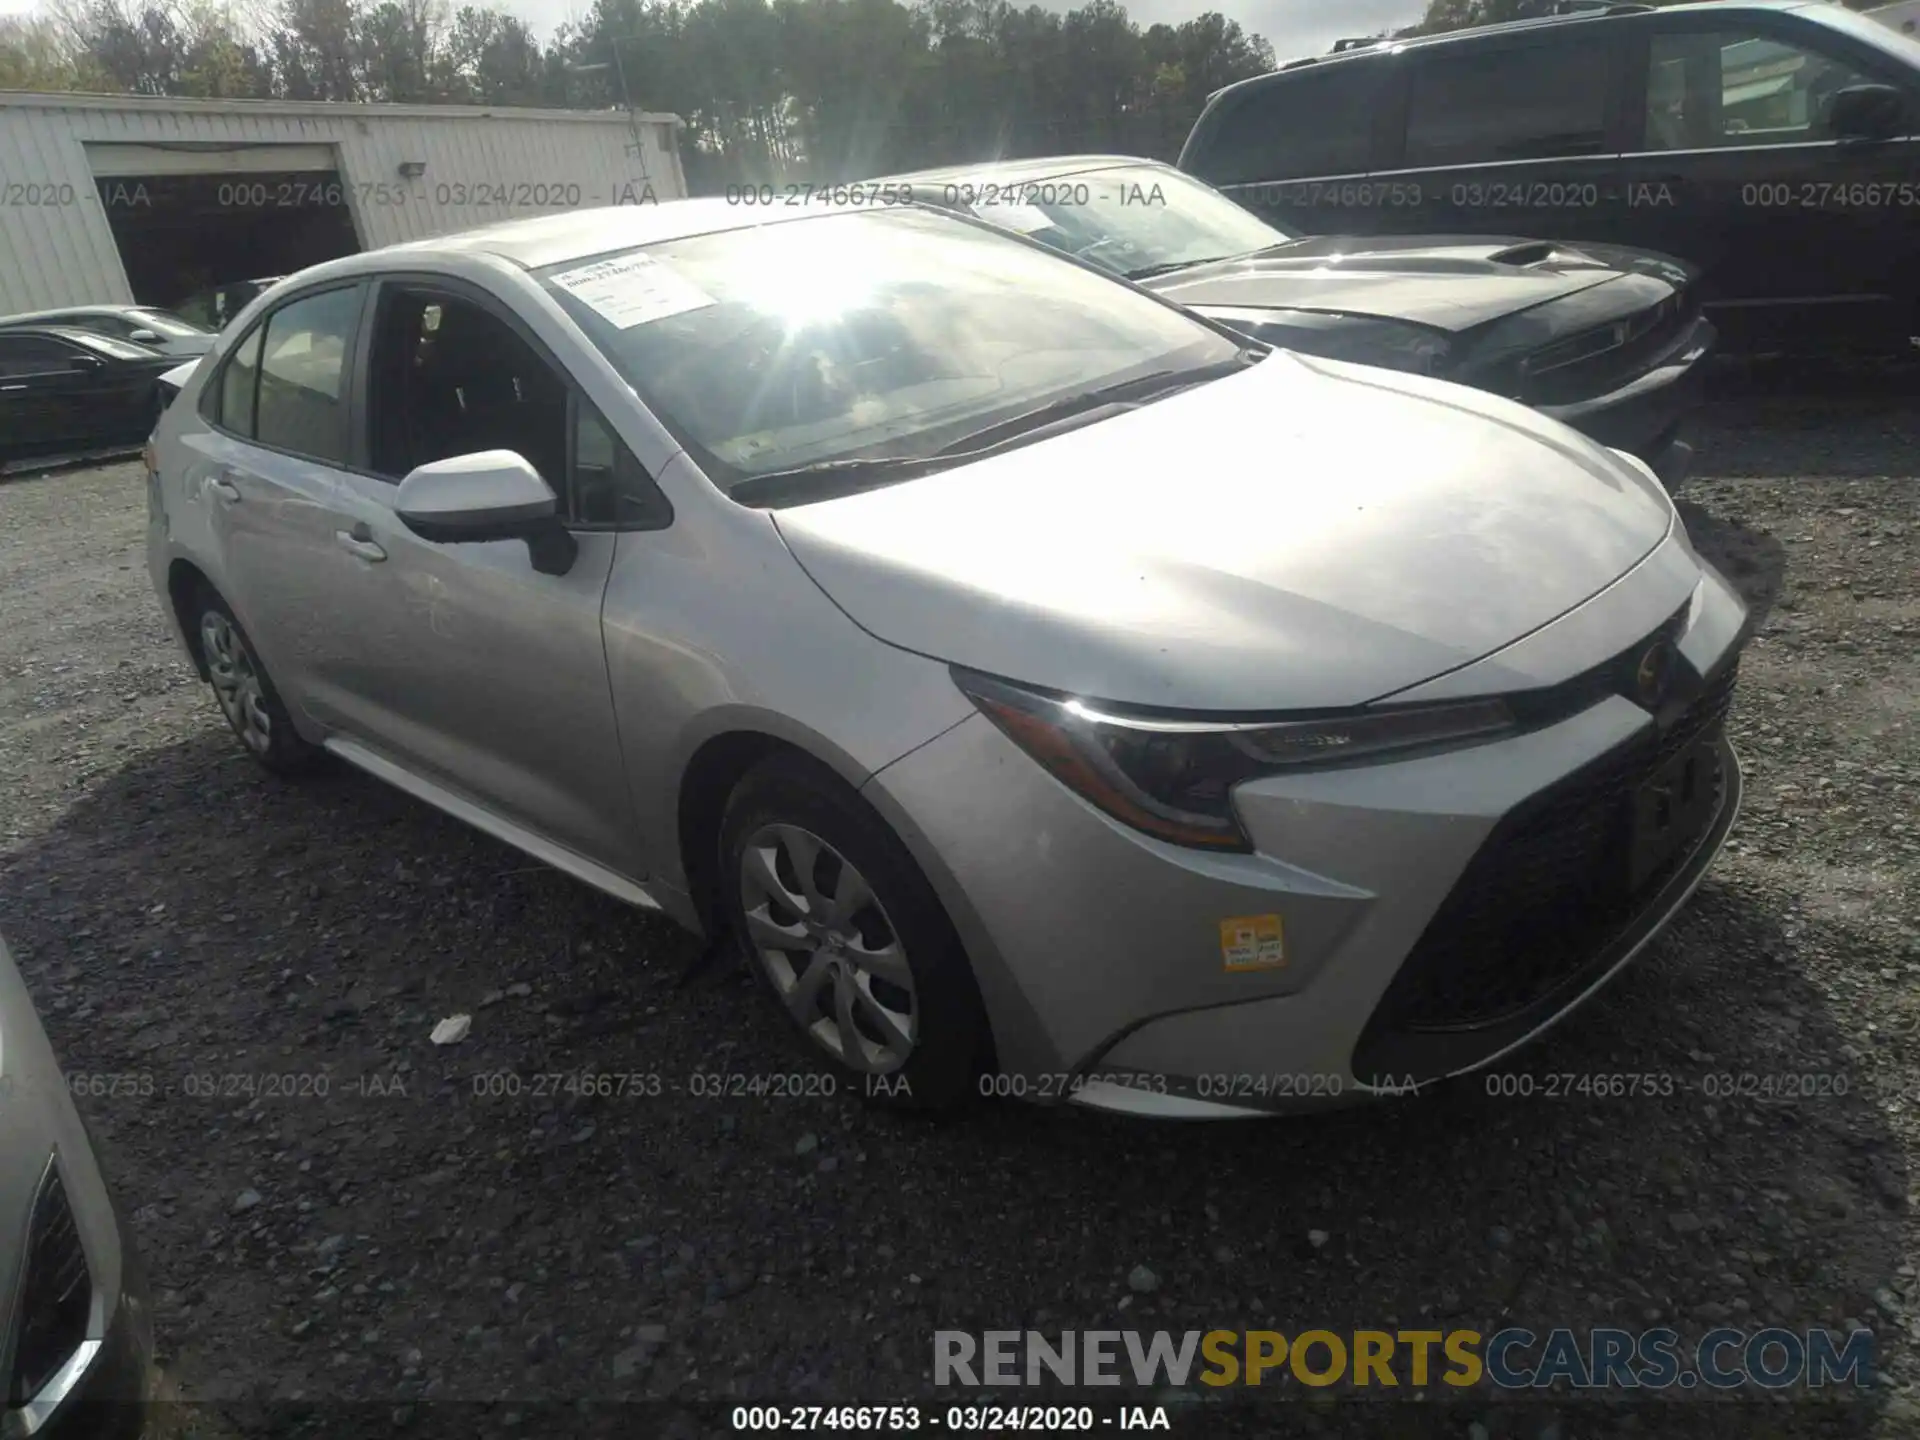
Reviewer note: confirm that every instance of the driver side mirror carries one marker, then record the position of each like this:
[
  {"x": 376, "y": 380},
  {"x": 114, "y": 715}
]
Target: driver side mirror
[
  {"x": 1867, "y": 112},
  {"x": 488, "y": 495},
  {"x": 145, "y": 337}
]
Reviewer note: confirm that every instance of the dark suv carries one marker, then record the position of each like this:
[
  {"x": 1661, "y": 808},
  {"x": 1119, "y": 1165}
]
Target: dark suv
[{"x": 1777, "y": 146}]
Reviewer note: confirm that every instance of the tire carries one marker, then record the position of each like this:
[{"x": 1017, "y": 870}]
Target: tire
[
  {"x": 245, "y": 692},
  {"x": 850, "y": 961}
]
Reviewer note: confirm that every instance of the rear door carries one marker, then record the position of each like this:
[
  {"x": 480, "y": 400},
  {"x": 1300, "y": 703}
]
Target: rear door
[
  {"x": 1808, "y": 242},
  {"x": 39, "y": 406},
  {"x": 272, "y": 474},
  {"x": 1509, "y": 135}
]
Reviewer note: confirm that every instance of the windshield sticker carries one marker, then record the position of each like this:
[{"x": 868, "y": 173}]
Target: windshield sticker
[
  {"x": 634, "y": 290},
  {"x": 1022, "y": 217}
]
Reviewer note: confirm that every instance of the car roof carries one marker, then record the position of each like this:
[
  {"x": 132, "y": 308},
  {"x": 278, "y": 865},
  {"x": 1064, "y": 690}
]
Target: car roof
[
  {"x": 543, "y": 240},
  {"x": 31, "y": 317},
  {"x": 1017, "y": 171},
  {"x": 1359, "y": 55},
  {"x": 44, "y": 330}
]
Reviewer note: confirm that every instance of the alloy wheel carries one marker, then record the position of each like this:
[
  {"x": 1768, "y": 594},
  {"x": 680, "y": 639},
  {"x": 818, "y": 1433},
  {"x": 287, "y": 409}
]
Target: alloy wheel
[
  {"x": 236, "y": 680},
  {"x": 826, "y": 942}
]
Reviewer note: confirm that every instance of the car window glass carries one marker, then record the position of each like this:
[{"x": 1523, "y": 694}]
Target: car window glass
[
  {"x": 449, "y": 378},
  {"x": 301, "y": 405},
  {"x": 34, "y": 355},
  {"x": 1304, "y": 125},
  {"x": 237, "y": 384},
  {"x": 609, "y": 486},
  {"x": 1726, "y": 87},
  {"x": 1533, "y": 103}
]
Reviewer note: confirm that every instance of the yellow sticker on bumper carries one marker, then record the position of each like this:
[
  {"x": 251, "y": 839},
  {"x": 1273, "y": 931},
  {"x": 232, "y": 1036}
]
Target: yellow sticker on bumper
[{"x": 1252, "y": 942}]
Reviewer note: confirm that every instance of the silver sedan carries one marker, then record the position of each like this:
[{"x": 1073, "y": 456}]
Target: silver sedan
[{"x": 1047, "y": 691}]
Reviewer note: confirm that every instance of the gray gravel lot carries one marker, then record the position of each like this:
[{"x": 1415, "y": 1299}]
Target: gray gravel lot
[{"x": 182, "y": 916}]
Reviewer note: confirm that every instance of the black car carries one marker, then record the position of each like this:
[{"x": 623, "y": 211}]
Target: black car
[
  {"x": 1775, "y": 146},
  {"x": 67, "y": 392},
  {"x": 1610, "y": 341}
]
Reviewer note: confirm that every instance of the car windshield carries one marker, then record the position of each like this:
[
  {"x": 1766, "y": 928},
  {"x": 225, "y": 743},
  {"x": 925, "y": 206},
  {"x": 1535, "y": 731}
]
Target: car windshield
[
  {"x": 866, "y": 335},
  {"x": 1131, "y": 219},
  {"x": 164, "y": 322}
]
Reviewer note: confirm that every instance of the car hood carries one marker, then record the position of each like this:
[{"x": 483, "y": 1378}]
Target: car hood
[
  {"x": 1304, "y": 534},
  {"x": 1451, "y": 283}
]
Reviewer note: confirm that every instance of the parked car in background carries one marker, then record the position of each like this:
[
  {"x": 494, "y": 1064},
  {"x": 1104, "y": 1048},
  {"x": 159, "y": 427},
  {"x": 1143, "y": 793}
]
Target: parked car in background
[
  {"x": 215, "y": 306},
  {"x": 71, "y": 392},
  {"x": 1033, "y": 678},
  {"x": 1610, "y": 341},
  {"x": 1775, "y": 146},
  {"x": 76, "y": 1331},
  {"x": 157, "y": 330}
]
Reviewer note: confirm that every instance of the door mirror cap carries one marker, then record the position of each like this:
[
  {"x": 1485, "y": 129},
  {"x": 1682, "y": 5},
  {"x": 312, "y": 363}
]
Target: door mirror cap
[
  {"x": 488, "y": 495},
  {"x": 145, "y": 337},
  {"x": 1867, "y": 112}
]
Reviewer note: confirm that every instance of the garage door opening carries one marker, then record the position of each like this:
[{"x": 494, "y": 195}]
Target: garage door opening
[{"x": 193, "y": 226}]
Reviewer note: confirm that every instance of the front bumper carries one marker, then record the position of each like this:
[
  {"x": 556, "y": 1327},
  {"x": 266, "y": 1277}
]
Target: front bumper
[
  {"x": 1102, "y": 954},
  {"x": 1648, "y": 416}
]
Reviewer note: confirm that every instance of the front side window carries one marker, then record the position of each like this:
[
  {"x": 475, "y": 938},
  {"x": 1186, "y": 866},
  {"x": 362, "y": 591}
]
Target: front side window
[
  {"x": 303, "y": 360},
  {"x": 449, "y": 378},
  {"x": 1480, "y": 106},
  {"x": 1131, "y": 220},
  {"x": 869, "y": 335},
  {"x": 1728, "y": 87},
  {"x": 1306, "y": 125}
]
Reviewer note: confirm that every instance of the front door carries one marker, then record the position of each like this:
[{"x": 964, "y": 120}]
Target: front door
[
  {"x": 470, "y": 667},
  {"x": 1806, "y": 239}
]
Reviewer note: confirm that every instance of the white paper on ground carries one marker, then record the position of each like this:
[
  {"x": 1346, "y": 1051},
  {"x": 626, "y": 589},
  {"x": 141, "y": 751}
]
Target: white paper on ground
[{"x": 633, "y": 290}]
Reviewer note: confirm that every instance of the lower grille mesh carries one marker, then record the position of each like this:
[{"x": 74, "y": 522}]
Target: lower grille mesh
[{"x": 1548, "y": 890}]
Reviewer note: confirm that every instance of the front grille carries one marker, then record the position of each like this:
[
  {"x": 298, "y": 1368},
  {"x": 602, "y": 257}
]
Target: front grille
[
  {"x": 1548, "y": 890},
  {"x": 1606, "y": 357},
  {"x": 56, "y": 1296}
]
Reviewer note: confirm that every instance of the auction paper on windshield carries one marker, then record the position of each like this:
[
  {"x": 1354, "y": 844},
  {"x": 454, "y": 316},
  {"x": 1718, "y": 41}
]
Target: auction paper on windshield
[{"x": 633, "y": 290}]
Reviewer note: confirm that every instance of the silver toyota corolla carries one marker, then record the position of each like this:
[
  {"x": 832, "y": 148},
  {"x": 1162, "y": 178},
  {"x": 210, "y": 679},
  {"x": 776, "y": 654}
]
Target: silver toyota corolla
[{"x": 1055, "y": 693}]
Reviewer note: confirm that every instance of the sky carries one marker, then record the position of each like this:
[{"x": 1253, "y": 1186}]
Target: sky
[{"x": 1296, "y": 27}]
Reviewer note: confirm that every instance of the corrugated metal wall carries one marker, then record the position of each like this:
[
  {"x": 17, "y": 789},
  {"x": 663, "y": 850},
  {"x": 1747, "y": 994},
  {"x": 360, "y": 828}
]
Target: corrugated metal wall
[{"x": 56, "y": 247}]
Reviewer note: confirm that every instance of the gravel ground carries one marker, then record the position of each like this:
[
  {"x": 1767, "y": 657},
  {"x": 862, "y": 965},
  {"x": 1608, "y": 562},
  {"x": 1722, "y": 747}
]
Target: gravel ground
[{"x": 182, "y": 916}]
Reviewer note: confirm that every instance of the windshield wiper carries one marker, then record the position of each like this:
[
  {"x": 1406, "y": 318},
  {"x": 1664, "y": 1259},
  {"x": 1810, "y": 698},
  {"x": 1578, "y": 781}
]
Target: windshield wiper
[
  {"x": 825, "y": 479},
  {"x": 1140, "y": 387},
  {"x": 1147, "y": 272}
]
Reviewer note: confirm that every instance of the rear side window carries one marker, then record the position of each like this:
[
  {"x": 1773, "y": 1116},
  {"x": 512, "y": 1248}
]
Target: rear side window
[
  {"x": 1477, "y": 106},
  {"x": 301, "y": 404},
  {"x": 1314, "y": 123},
  {"x": 239, "y": 379}
]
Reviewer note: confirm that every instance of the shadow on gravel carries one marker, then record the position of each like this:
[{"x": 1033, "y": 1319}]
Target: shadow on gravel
[
  {"x": 1786, "y": 419},
  {"x": 1753, "y": 561},
  {"x": 457, "y": 1222}
]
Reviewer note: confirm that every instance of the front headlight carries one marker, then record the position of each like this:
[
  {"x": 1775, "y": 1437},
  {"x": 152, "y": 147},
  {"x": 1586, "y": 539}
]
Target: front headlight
[
  {"x": 1173, "y": 778},
  {"x": 1360, "y": 339}
]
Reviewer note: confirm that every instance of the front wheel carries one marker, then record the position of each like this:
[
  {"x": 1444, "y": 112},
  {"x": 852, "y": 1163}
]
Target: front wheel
[
  {"x": 841, "y": 926},
  {"x": 245, "y": 692}
]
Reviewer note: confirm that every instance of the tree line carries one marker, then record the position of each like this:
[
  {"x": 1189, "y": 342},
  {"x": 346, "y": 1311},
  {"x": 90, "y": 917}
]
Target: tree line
[
  {"x": 826, "y": 90},
  {"x": 771, "y": 90}
]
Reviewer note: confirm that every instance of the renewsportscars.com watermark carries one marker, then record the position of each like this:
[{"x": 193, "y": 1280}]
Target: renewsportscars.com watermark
[{"x": 1511, "y": 1359}]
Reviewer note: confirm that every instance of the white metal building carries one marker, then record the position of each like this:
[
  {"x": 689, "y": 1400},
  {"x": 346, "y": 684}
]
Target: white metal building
[{"x": 119, "y": 198}]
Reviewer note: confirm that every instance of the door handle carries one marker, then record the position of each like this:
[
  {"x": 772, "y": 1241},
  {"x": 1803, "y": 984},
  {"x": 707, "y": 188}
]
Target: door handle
[
  {"x": 12, "y": 387},
  {"x": 224, "y": 488},
  {"x": 354, "y": 544}
]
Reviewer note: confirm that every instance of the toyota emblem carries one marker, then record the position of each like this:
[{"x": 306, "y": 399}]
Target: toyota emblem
[{"x": 1653, "y": 676}]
